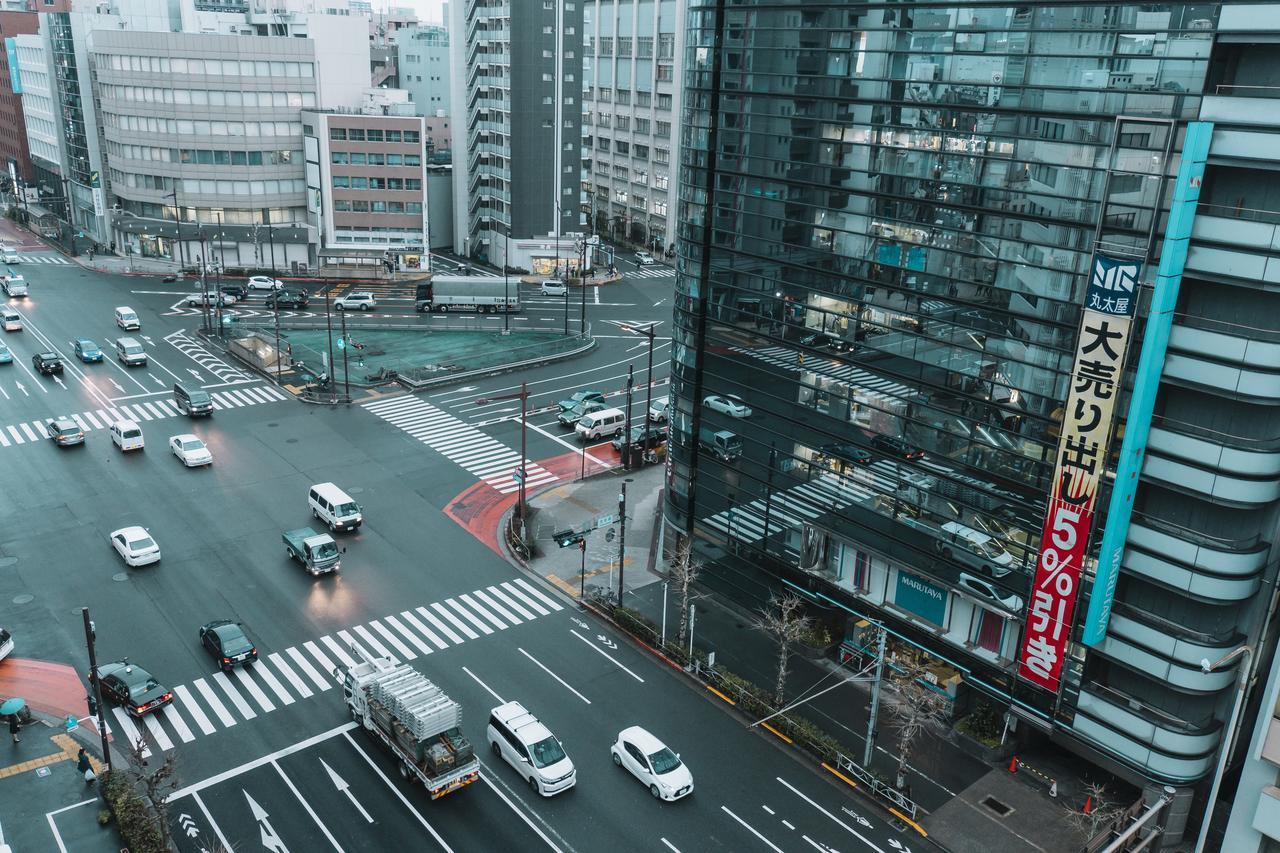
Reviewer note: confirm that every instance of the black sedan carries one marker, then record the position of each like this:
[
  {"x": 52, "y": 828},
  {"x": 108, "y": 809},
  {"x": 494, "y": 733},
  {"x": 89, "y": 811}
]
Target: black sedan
[
  {"x": 239, "y": 291},
  {"x": 228, "y": 643},
  {"x": 647, "y": 437},
  {"x": 47, "y": 362},
  {"x": 891, "y": 446},
  {"x": 288, "y": 299},
  {"x": 846, "y": 454},
  {"x": 132, "y": 687}
]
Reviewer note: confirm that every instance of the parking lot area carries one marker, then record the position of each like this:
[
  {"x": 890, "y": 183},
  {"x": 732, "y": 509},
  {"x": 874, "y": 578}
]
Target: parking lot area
[{"x": 340, "y": 790}]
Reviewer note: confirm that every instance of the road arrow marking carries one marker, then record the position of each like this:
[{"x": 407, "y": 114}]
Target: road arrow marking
[
  {"x": 147, "y": 339},
  {"x": 659, "y": 302},
  {"x": 158, "y": 380},
  {"x": 610, "y": 643},
  {"x": 188, "y": 824},
  {"x": 195, "y": 373},
  {"x": 341, "y": 785},
  {"x": 270, "y": 840},
  {"x": 119, "y": 387},
  {"x": 58, "y": 379},
  {"x": 23, "y": 389}
]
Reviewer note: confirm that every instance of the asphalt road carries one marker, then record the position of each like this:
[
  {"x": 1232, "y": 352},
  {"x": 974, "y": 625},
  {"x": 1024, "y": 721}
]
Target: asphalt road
[{"x": 268, "y": 757}]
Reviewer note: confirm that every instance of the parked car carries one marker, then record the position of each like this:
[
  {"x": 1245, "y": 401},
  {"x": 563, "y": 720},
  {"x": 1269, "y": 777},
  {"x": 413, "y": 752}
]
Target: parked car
[
  {"x": 228, "y": 643},
  {"x": 288, "y": 299},
  {"x": 262, "y": 282},
  {"x": 1004, "y": 600},
  {"x": 135, "y": 546},
  {"x": 64, "y": 432},
  {"x": 47, "y": 363},
  {"x": 191, "y": 450},
  {"x": 570, "y": 417},
  {"x": 362, "y": 301},
  {"x": 131, "y": 687},
  {"x": 891, "y": 446},
  {"x": 727, "y": 404},
  {"x": 826, "y": 340},
  {"x": 580, "y": 397},
  {"x": 521, "y": 740},
  {"x": 86, "y": 350},
  {"x": 644, "y": 258},
  {"x": 650, "y": 761},
  {"x": 974, "y": 548},
  {"x": 647, "y": 437},
  {"x": 10, "y": 255}
]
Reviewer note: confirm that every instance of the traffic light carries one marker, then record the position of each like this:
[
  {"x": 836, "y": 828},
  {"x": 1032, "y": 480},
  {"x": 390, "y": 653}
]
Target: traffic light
[
  {"x": 93, "y": 705},
  {"x": 565, "y": 538}
]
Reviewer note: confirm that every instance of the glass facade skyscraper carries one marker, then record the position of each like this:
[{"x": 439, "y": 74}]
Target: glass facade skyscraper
[{"x": 889, "y": 219}]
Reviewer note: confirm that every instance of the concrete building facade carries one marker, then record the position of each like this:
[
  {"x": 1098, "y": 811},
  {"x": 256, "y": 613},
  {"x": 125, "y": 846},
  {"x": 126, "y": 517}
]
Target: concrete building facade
[
  {"x": 425, "y": 68},
  {"x": 15, "y": 153}
]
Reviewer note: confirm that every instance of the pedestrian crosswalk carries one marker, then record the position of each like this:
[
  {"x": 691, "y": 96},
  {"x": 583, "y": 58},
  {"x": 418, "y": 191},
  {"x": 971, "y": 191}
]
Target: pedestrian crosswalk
[
  {"x": 653, "y": 271},
  {"x": 193, "y": 350},
  {"x": 42, "y": 259},
  {"x": 794, "y": 360},
  {"x": 791, "y": 509},
  {"x": 141, "y": 411},
  {"x": 282, "y": 678},
  {"x": 459, "y": 442}
]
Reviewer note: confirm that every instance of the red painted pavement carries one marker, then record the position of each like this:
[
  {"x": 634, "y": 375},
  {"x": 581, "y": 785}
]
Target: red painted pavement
[
  {"x": 480, "y": 508},
  {"x": 50, "y": 688}
]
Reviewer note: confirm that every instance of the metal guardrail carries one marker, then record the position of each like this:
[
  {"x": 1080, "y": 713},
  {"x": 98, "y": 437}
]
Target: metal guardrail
[{"x": 877, "y": 786}]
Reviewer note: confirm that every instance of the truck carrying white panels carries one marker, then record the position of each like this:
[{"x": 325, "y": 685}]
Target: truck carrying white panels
[{"x": 481, "y": 293}]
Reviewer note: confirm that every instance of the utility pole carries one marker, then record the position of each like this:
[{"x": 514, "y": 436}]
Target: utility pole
[
  {"x": 346, "y": 345},
  {"x": 523, "y": 397},
  {"x": 177, "y": 221},
  {"x": 875, "y": 701},
  {"x": 96, "y": 687},
  {"x": 204, "y": 280},
  {"x": 506, "y": 280},
  {"x": 622, "y": 537},
  {"x": 217, "y": 272},
  {"x": 582, "y": 576},
  {"x": 768, "y": 491},
  {"x": 626, "y": 429},
  {"x": 328, "y": 322},
  {"x": 275, "y": 307},
  {"x": 649, "y": 332},
  {"x": 271, "y": 239}
]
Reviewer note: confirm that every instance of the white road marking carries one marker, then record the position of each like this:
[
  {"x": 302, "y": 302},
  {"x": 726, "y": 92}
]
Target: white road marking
[
  {"x": 305, "y": 665},
  {"x": 157, "y": 731},
  {"x": 469, "y": 616},
  {"x": 537, "y": 594},
  {"x": 424, "y": 630},
  {"x": 189, "y": 703},
  {"x": 477, "y": 680},
  {"x": 470, "y": 602},
  {"x": 247, "y": 682},
  {"x": 220, "y": 710},
  {"x": 130, "y": 731},
  {"x": 169, "y": 713},
  {"x": 339, "y": 652},
  {"x": 405, "y": 651},
  {"x": 606, "y": 655},
  {"x": 444, "y": 629},
  {"x": 307, "y": 806},
  {"x": 752, "y": 830},
  {"x": 501, "y": 596},
  {"x": 292, "y": 677},
  {"x": 407, "y": 634},
  {"x": 524, "y": 596},
  {"x": 261, "y": 670},
  {"x": 242, "y": 706},
  {"x": 564, "y": 683},
  {"x": 851, "y": 830},
  {"x": 373, "y": 644},
  {"x": 400, "y": 796}
]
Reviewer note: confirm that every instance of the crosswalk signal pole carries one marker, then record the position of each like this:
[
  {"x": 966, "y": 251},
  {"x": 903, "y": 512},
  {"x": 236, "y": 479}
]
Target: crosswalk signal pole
[
  {"x": 622, "y": 537},
  {"x": 96, "y": 687}
]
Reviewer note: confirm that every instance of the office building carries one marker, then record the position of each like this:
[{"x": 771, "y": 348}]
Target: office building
[
  {"x": 632, "y": 69},
  {"x": 424, "y": 68},
  {"x": 15, "y": 155},
  {"x": 915, "y": 241},
  {"x": 517, "y": 96},
  {"x": 42, "y": 121},
  {"x": 371, "y": 192}
]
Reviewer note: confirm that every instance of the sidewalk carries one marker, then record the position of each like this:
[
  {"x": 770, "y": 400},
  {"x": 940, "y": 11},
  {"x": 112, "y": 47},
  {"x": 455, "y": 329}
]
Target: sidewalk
[{"x": 960, "y": 796}]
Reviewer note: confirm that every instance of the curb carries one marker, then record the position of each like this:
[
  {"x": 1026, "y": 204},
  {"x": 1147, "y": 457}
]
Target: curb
[{"x": 480, "y": 373}]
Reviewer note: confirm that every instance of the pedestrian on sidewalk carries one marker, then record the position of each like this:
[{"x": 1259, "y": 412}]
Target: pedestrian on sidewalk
[
  {"x": 15, "y": 726},
  {"x": 85, "y": 768}
]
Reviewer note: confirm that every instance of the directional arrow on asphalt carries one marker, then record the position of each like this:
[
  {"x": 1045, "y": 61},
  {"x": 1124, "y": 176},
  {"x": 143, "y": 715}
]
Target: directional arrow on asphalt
[
  {"x": 58, "y": 379},
  {"x": 341, "y": 785},
  {"x": 119, "y": 387},
  {"x": 270, "y": 840},
  {"x": 188, "y": 824},
  {"x": 194, "y": 373},
  {"x": 158, "y": 380},
  {"x": 23, "y": 389},
  {"x": 147, "y": 339}
]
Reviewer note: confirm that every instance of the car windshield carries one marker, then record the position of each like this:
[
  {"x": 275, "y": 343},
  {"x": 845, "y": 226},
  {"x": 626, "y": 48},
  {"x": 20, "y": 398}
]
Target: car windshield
[
  {"x": 142, "y": 685},
  {"x": 663, "y": 761},
  {"x": 344, "y": 510},
  {"x": 328, "y": 549},
  {"x": 139, "y": 544},
  {"x": 233, "y": 639},
  {"x": 546, "y": 752},
  {"x": 991, "y": 549},
  {"x": 193, "y": 444}
]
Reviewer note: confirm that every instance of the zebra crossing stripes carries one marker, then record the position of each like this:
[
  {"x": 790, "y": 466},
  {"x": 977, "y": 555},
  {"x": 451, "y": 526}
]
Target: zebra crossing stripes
[
  {"x": 141, "y": 411},
  {"x": 789, "y": 359},
  {"x": 653, "y": 272},
  {"x": 488, "y": 459},
  {"x": 43, "y": 259},
  {"x": 280, "y": 679}
]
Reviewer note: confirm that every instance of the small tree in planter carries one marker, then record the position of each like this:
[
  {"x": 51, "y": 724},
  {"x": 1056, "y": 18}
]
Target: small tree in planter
[
  {"x": 915, "y": 710},
  {"x": 783, "y": 619},
  {"x": 1103, "y": 811},
  {"x": 684, "y": 573}
]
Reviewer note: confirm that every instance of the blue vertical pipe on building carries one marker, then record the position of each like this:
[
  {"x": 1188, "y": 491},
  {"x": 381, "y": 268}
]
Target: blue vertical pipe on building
[{"x": 1146, "y": 382}]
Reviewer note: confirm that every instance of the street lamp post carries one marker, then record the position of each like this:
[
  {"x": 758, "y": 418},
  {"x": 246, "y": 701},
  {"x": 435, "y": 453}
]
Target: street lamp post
[
  {"x": 622, "y": 537},
  {"x": 177, "y": 221},
  {"x": 96, "y": 686},
  {"x": 626, "y": 429},
  {"x": 328, "y": 322},
  {"x": 346, "y": 345},
  {"x": 523, "y": 397},
  {"x": 1228, "y": 734},
  {"x": 649, "y": 332},
  {"x": 506, "y": 280}
]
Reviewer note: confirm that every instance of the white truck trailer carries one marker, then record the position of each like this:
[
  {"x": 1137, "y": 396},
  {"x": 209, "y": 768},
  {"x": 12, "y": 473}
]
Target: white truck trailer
[
  {"x": 480, "y": 293},
  {"x": 413, "y": 718}
]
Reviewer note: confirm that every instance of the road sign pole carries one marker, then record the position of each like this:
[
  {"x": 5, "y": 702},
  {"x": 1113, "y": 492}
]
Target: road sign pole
[
  {"x": 346, "y": 344},
  {"x": 96, "y": 686},
  {"x": 622, "y": 536},
  {"x": 582, "y": 576}
]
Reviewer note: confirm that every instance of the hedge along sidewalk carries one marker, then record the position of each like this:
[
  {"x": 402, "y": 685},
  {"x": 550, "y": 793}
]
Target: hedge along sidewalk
[{"x": 746, "y": 700}]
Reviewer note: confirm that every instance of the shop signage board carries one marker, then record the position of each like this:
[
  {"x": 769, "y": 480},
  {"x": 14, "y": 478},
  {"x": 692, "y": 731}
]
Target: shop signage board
[
  {"x": 919, "y": 596},
  {"x": 1081, "y": 460}
]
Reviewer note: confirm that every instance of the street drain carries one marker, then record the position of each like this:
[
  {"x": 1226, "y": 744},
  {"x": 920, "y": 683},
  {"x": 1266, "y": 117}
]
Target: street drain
[
  {"x": 1001, "y": 809},
  {"x": 24, "y": 598}
]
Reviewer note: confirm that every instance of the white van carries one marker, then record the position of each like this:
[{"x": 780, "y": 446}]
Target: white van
[
  {"x": 126, "y": 435},
  {"x": 127, "y": 318},
  {"x": 129, "y": 351},
  {"x": 11, "y": 320},
  {"x": 528, "y": 746},
  {"x": 335, "y": 507},
  {"x": 601, "y": 424},
  {"x": 553, "y": 287}
]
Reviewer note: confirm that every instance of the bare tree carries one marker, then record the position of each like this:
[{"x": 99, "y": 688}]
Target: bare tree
[
  {"x": 684, "y": 573},
  {"x": 783, "y": 619},
  {"x": 915, "y": 710},
  {"x": 156, "y": 785},
  {"x": 1103, "y": 810}
]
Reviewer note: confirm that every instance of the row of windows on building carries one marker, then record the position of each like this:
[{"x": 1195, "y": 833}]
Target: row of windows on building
[
  {"x": 638, "y": 176},
  {"x": 622, "y": 97},
  {"x": 207, "y": 97},
  {"x": 204, "y": 156},
  {"x": 639, "y": 152},
  {"x": 639, "y": 202},
  {"x": 661, "y": 129},
  {"x": 373, "y": 158},
  {"x": 200, "y": 127},
  {"x": 194, "y": 186},
  {"x": 371, "y": 134},
  {"x": 223, "y": 215},
  {"x": 359, "y": 182},
  {"x": 642, "y": 45},
  {"x": 224, "y": 67},
  {"x": 357, "y": 206}
]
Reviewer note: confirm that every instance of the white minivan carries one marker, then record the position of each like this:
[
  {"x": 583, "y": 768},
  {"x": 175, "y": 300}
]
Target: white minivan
[
  {"x": 553, "y": 287},
  {"x": 127, "y": 318},
  {"x": 334, "y": 507},
  {"x": 605, "y": 423},
  {"x": 127, "y": 435},
  {"x": 521, "y": 740}
]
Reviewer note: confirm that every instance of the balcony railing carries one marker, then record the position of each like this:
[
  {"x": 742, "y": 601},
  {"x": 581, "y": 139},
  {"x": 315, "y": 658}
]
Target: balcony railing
[
  {"x": 1163, "y": 719},
  {"x": 1213, "y": 543},
  {"x": 1223, "y": 638},
  {"x": 1239, "y": 442},
  {"x": 1242, "y": 90},
  {"x": 1231, "y": 211}
]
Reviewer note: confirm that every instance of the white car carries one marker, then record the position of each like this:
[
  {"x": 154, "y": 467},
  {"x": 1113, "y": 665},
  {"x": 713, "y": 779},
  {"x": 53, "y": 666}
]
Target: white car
[
  {"x": 223, "y": 299},
  {"x": 644, "y": 258},
  {"x": 659, "y": 411},
  {"x": 728, "y": 405},
  {"x": 10, "y": 256},
  {"x": 135, "y": 546},
  {"x": 191, "y": 450},
  {"x": 1004, "y": 600},
  {"x": 553, "y": 287},
  {"x": 656, "y": 766},
  {"x": 362, "y": 301},
  {"x": 521, "y": 740},
  {"x": 262, "y": 282},
  {"x": 6, "y": 643}
]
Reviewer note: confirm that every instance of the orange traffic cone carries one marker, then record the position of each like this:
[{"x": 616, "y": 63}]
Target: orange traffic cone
[
  {"x": 1088, "y": 805},
  {"x": 1013, "y": 764}
]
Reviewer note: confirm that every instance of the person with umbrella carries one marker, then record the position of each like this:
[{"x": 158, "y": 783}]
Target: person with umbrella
[
  {"x": 85, "y": 768},
  {"x": 15, "y": 727},
  {"x": 11, "y": 708}
]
